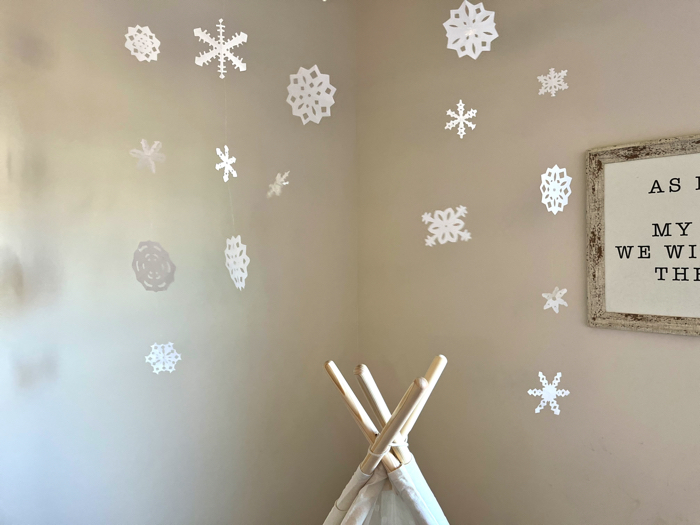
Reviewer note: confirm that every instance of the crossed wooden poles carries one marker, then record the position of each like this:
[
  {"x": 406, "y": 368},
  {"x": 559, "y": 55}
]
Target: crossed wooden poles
[{"x": 388, "y": 446}]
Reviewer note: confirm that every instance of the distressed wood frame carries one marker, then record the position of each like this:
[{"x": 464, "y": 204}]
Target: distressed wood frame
[{"x": 595, "y": 222}]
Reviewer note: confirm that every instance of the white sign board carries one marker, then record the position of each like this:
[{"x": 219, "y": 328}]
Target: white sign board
[
  {"x": 652, "y": 236},
  {"x": 643, "y": 246}
]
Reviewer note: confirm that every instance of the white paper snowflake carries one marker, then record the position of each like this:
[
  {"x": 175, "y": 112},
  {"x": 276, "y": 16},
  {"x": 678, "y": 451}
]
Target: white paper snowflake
[
  {"x": 310, "y": 95},
  {"x": 470, "y": 29},
  {"x": 554, "y": 299},
  {"x": 220, "y": 48},
  {"x": 553, "y": 82},
  {"x": 237, "y": 261},
  {"x": 276, "y": 187},
  {"x": 142, "y": 43},
  {"x": 460, "y": 119},
  {"x": 555, "y": 188},
  {"x": 163, "y": 358},
  {"x": 549, "y": 393},
  {"x": 148, "y": 155},
  {"x": 446, "y": 226},
  {"x": 226, "y": 163}
]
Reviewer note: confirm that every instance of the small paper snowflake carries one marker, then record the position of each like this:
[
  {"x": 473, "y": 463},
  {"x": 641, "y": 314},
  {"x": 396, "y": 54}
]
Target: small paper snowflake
[
  {"x": 446, "y": 226},
  {"x": 163, "y": 358},
  {"x": 470, "y": 30},
  {"x": 276, "y": 187},
  {"x": 226, "y": 163},
  {"x": 555, "y": 188},
  {"x": 310, "y": 95},
  {"x": 148, "y": 155},
  {"x": 460, "y": 119},
  {"x": 220, "y": 48},
  {"x": 153, "y": 267},
  {"x": 237, "y": 261},
  {"x": 553, "y": 82},
  {"x": 549, "y": 393},
  {"x": 142, "y": 43},
  {"x": 554, "y": 299}
]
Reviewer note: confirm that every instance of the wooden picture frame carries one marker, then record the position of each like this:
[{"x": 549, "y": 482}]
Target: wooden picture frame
[{"x": 597, "y": 160}]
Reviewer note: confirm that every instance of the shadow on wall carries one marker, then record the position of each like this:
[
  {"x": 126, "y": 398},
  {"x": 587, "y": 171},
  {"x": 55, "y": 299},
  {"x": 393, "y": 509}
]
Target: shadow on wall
[{"x": 33, "y": 372}]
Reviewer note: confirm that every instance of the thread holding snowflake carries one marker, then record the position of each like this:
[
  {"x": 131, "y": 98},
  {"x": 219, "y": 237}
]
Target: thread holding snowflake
[
  {"x": 310, "y": 95},
  {"x": 237, "y": 261},
  {"x": 226, "y": 163},
  {"x": 548, "y": 393},
  {"x": 470, "y": 29},
  {"x": 276, "y": 187},
  {"x": 553, "y": 82},
  {"x": 555, "y": 188},
  {"x": 163, "y": 358},
  {"x": 142, "y": 43},
  {"x": 461, "y": 119},
  {"x": 148, "y": 155},
  {"x": 220, "y": 48},
  {"x": 555, "y": 299},
  {"x": 446, "y": 226}
]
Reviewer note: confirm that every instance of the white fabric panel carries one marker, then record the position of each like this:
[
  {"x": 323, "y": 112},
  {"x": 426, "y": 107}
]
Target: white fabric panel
[
  {"x": 366, "y": 500},
  {"x": 390, "y": 510},
  {"x": 406, "y": 489},
  {"x": 358, "y": 480},
  {"x": 424, "y": 490}
]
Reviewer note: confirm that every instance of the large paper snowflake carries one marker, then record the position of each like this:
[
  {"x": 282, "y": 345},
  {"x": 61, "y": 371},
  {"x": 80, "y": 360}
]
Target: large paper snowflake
[
  {"x": 237, "y": 261},
  {"x": 554, "y": 299},
  {"x": 142, "y": 43},
  {"x": 553, "y": 82},
  {"x": 153, "y": 267},
  {"x": 276, "y": 187},
  {"x": 460, "y": 119},
  {"x": 148, "y": 155},
  {"x": 310, "y": 95},
  {"x": 163, "y": 358},
  {"x": 226, "y": 163},
  {"x": 555, "y": 188},
  {"x": 470, "y": 29},
  {"x": 446, "y": 226},
  {"x": 220, "y": 48},
  {"x": 549, "y": 393}
]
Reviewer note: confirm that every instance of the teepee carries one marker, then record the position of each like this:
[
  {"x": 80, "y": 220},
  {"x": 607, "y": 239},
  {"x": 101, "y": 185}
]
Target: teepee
[{"x": 387, "y": 488}]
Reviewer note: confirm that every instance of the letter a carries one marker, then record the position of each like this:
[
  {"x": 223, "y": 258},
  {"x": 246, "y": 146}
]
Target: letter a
[{"x": 656, "y": 186}]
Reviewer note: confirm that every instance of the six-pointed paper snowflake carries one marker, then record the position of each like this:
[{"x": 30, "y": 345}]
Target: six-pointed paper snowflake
[
  {"x": 553, "y": 82},
  {"x": 237, "y": 261},
  {"x": 554, "y": 299},
  {"x": 310, "y": 95},
  {"x": 555, "y": 188},
  {"x": 446, "y": 226},
  {"x": 549, "y": 393},
  {"x": 153, "y": 267},
  {"x": 460, "y": 119},
  {"x": 470, "y": 29},
  {"x": 276, "y": 187},
  {"x": 220, "y": 48},
  {"x": 226, "y": 163},
  {"x": 163, "y": 358},
  {"x": 148, "y": 155},
  {"x": 142, "y": 43}
]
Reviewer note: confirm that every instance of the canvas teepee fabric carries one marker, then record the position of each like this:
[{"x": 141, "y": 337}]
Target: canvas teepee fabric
[{"x": 393, "y": 492}]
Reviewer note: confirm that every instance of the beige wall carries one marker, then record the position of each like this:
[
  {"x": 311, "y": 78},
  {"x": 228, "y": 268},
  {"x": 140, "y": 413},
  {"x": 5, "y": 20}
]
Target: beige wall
[
  {"x": 88, "y": 434},
  {"x": 625, "y": 448}
]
